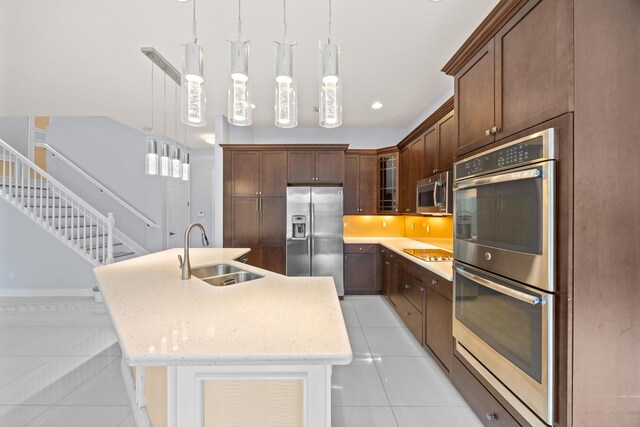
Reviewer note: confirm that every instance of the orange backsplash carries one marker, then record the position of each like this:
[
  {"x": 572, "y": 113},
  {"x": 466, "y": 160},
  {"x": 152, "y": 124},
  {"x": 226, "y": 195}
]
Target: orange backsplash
[
  {"x": 398, "y": 226},
  {"x": 373, "y": 226},
  {"x": 432, "y": 227}
]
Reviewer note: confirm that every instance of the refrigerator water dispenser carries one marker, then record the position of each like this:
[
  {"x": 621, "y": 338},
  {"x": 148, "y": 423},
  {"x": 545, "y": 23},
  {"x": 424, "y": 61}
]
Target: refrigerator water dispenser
[{"x": 299, "y": 224}]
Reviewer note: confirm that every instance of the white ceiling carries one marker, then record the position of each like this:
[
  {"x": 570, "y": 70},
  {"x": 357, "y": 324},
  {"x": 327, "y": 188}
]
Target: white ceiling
[{"x": 82, "y": 57}]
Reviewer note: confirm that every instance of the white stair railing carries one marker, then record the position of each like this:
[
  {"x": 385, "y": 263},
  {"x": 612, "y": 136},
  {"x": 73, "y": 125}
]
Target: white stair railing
[
  {"x": 56, "y": 208},
  {"x": 97, "y": 184}
]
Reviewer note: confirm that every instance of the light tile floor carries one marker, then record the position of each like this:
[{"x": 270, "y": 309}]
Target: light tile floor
[
  {"x": 59, "y": 367},
  {"x": 392, "y": 381}
]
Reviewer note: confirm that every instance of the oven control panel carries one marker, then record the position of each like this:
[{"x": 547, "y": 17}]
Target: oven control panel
[{"x": 515, "y": 154}]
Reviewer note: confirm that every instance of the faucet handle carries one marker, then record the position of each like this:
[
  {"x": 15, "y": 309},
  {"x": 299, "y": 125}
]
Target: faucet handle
[{"x": 180, "y": 260}]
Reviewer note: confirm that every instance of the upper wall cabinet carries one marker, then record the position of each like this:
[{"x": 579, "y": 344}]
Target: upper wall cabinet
[
  {"x": 518, "y": 79},
  {"x": 360, "y": 183},
  {"x": 439, "y": 146},
  {"x": 255, "y": 173},
  {"x": 316, "y": 166}
]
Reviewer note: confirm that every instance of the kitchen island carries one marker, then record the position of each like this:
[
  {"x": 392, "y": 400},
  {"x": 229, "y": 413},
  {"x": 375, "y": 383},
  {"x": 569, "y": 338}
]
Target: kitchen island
[{"x": 262, "y": 349}]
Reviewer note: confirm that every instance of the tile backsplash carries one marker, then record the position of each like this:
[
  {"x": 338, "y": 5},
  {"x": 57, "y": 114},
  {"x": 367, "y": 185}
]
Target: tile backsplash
[{"x": 398, "y": 226}]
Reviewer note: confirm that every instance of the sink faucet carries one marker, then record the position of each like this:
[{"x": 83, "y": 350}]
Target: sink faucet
[{"x": 185, "y": 264}]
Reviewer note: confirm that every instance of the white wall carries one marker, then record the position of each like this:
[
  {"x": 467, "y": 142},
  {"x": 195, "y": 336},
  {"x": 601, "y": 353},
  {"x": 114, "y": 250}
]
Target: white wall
[
  {"x": 15, "y": 132},
  {"x": 114, "y": 155},
  {"x": 202, "y": 168},
  {"x": 37, "y": 261}
]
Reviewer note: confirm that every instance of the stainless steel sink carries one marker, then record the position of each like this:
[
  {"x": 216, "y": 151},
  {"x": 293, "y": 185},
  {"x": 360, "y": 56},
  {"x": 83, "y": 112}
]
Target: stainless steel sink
[
  {"x": 214, "y": 270},
  {"x": 232, "y": 279}
]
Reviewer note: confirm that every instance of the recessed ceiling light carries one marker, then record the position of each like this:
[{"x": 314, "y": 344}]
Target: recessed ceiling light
[
  {"x": 210, "y": 139},
  {"x": 377, "y": 105}
]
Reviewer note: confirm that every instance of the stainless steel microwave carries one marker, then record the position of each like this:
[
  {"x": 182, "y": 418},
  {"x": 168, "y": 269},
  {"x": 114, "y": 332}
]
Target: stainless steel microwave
[{"x": 433, "y": 195}]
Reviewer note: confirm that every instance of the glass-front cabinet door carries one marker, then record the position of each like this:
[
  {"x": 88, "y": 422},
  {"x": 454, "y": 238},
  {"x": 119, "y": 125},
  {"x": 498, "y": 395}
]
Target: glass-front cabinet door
[{"x": 388, "y": 180}]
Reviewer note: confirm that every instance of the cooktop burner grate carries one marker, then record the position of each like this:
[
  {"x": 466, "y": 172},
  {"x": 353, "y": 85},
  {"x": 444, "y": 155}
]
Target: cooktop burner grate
[{"x": 430, "y": 255}]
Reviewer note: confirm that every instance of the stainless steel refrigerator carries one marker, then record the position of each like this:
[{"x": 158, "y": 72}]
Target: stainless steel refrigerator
[{"x": 314, "y": 233}]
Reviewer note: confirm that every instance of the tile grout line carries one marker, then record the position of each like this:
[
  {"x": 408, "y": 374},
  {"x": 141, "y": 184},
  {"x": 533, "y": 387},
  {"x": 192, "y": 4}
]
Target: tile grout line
[{"x": 377, "y": 371}]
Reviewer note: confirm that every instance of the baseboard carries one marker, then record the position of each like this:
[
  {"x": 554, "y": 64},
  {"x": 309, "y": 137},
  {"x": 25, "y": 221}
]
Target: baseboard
[{"x": 19, "y": 292}]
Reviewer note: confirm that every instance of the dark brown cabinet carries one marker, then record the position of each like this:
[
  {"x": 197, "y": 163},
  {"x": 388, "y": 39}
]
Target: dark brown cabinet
[
  {"x": 361, "y": 265},
  {"x": 255, "y": 173},
  {"x": 360, "y": 183},
  {"x": 439, "y": 143},
  {"x": 315, "y": 167},
  {"x": 255, "y": 183},
  {"x": 488, "y": 409},
  {"x": 438, "y": 326},
  {"x": 388, "y": 181},
  {"x": 404, "y": 181},
  {"x": 520, "y": 78},
  {"x": 417, "y": 157}
]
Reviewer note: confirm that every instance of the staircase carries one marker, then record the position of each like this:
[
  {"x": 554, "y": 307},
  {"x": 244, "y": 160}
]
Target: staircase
[{"x": 61, "y": 212}]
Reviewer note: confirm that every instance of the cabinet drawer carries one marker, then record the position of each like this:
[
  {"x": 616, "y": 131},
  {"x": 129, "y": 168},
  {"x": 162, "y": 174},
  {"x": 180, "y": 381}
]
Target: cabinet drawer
[
  {"x": 360, "y": 249},
  {"x": 486, "y": 407},
  {"x": 411, "y": 317},
  {"x": 441, "y": 286},
  {"x": 411, "y": 288}
]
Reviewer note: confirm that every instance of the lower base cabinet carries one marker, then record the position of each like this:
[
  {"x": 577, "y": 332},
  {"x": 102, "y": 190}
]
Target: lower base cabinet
[
  {"x": 423, "y": 300},
  {"x": 361, "y": 265},
  {"x": 488, "y": 409}
]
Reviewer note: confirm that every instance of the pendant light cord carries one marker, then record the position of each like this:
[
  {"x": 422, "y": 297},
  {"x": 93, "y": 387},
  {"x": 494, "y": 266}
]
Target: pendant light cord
[
  {"x": 284, "y": 19},
  {"x": 195, "y": 38},
  {"x": 239, "y": 19},
  {"x": 152, "y": 96},
  {"x": 329, "y": 21},
  {"x": 164, "y": 103}
]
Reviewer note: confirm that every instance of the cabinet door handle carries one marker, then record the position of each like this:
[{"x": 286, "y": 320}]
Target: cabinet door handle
[
  {"x": 492, "y": 416},
  {"x": 495, "y": 130},
  {"x": 487, "y": 132},
  {"x": 257, "y": 192},
  {"x": 422, "y": 289},
  {"x": 407, "y": 286},
  {"x": 434, "y": 282},
  {"x": 386, "y": 262}
]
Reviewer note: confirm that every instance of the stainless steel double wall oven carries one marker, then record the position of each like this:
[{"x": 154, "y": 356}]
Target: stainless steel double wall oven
[{"x": 504, "y": 269}]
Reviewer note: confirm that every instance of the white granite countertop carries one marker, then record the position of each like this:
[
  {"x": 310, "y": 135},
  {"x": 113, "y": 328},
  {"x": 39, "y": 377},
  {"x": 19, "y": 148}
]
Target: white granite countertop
[
  {"x": 442, "y": 268},
  {"x": 162, "y": 320}
]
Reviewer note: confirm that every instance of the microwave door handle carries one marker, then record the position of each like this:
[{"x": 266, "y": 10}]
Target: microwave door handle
[
  {"x": 435, "y": 195},
  {"x": 505, "y": 177},
  {"x": 529, "y": 299}
]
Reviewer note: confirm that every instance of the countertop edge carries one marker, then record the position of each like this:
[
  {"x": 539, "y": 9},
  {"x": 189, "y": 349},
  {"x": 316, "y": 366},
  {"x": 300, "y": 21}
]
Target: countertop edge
[{"x": 423, "y": 264}]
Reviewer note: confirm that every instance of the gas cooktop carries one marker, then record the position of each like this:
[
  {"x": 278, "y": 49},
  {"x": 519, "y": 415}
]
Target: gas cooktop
[{"x": 430, "y": 254}]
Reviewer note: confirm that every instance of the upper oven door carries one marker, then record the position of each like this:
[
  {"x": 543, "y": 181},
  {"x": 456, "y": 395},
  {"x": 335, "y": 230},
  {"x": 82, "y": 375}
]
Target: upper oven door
[
  {"x": 504, "y": 223},
  {"x": 508, "y": 327}
]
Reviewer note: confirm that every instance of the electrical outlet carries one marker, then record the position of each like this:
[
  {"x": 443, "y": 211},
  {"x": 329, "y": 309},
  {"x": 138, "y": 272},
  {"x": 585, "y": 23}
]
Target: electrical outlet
[
  {"x": 384, "y": 224},
  {"x": 428, "y": 229},
  {"x": 413, "y": 226}
]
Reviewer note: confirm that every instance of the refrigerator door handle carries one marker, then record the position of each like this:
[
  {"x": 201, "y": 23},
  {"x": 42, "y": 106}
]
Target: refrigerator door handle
[{"x": 312, "y": 208}]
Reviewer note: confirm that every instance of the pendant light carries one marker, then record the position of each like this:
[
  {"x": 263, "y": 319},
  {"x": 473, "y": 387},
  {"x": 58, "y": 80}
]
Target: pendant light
[
  {"x": 286, "y": 103},
  {"x": 330, "y": 85},
  {"x": 239, "y": 112},
  {"x": 193, "y": 97},
  {"x": 164, "y": 149},
  {"x": 151, "y": 158}
]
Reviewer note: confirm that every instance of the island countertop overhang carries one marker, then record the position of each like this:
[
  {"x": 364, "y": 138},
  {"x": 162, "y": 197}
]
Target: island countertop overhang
[{"x": 162, "y": 320}]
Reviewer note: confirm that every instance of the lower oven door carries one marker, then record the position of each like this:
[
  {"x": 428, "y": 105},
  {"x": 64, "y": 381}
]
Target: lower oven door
[{"x": 508, "y": 327}]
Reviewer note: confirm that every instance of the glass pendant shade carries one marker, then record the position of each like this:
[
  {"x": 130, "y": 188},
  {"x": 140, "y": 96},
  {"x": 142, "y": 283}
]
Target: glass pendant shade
[
  {"x": 286, "y": 103},
  {"x": 192, "y": 86},
  {"x": 239, "y": 112},
  {"x": 330, "y": 87},
  {"x": 164, "y": 160},
  {"x": 176, "y": 164},
  {"x": 186, "y": 166},
  {"x": 151, "y": 159}
]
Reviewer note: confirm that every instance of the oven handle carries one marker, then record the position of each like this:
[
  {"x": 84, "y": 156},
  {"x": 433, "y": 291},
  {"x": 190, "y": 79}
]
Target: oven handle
[
  {"x": 504, "y": 177},
  {"x": 529, "y": 299},
  {"x": 435, "y": 194}
]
